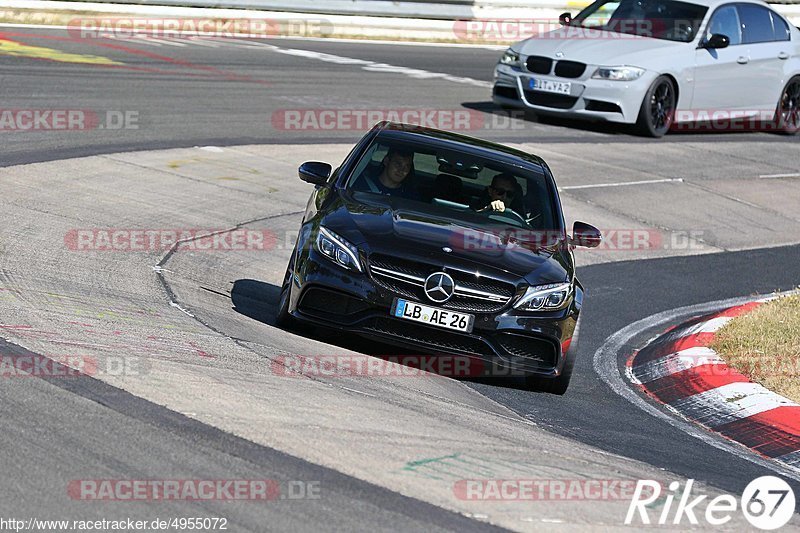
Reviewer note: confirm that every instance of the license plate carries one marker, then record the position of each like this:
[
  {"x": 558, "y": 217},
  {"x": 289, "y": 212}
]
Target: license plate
[
  {"x": 549, "y": 86},
  {"x": 433, "y": 316}
]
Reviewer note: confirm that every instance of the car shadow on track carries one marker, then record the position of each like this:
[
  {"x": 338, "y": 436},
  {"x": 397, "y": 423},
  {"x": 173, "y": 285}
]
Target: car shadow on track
[
  {"x": 258, "y": 300},
  {"x": 498, "y": 119},
  {"x": 255, "y": 299}
]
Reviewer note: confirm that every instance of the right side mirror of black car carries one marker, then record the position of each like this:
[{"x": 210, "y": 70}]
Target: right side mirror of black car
[
  {"x": 716, "y": 41},
  {"x": 315, "y": 172},
  {"x": 585, "y": 235},
  {"x": 565, "y": 19}
]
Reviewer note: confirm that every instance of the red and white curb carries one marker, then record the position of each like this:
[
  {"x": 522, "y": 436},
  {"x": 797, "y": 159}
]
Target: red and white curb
[{"x": 679, "y": 370}]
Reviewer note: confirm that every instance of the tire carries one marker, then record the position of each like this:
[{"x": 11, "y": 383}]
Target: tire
[
  {"x": 658, "y": 108},
  {"x": 283, "y": 319},
  {"x": 557, "y": 385},
  {"x": 787, "y": 113}
]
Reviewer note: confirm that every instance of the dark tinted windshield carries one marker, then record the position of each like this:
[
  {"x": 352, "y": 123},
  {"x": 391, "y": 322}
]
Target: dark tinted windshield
[
  {"x": 659, "y": 19},
  {"x": 455, "y": 185}
]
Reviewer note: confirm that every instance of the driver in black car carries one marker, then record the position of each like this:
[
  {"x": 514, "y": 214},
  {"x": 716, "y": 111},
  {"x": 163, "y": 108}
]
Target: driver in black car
[{"x": 498, "y": 196}]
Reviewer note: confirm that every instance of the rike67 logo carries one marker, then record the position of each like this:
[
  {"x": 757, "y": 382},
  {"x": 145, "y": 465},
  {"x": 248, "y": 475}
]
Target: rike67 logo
[{"x": 767, "y": 503}]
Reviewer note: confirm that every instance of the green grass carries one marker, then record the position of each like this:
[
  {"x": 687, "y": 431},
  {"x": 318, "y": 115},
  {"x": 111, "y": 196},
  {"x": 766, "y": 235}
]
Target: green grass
[{"x": 765, "y": 345}]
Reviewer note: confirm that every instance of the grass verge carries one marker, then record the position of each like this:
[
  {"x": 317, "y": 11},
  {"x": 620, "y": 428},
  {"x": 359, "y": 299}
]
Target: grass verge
[{"x": 765, "y": 345}]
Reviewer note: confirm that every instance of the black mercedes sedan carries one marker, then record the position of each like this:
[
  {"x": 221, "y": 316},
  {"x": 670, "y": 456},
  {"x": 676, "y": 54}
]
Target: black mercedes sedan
[{"x": 443, "y": 244}]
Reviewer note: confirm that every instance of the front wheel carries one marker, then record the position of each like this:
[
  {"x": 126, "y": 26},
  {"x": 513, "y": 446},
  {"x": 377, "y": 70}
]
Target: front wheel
[
  {"x": 787, "y": 116},
  {"x": 557, "y": 385},
  {"x": 283, "y": 319},
  {"x": 658, "y": 108}
]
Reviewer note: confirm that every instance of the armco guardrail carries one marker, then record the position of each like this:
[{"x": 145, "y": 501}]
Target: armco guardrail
[
  {"x": 441, "y": 9},
  {"x": 438, "y": 9},
  {"x": 379, "y": 19}
]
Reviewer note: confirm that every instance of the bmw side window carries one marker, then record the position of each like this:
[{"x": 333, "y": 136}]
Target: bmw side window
[
  {"x": 756, "y": 24},
  {"x": 725, "y": 21},
  {"x": 601, "y": 17},
  {"x": 782, "y": 32}
]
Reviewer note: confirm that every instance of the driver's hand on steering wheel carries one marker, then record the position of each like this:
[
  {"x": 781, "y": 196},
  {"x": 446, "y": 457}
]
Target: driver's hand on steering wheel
[{"x": 498, "y": 205}]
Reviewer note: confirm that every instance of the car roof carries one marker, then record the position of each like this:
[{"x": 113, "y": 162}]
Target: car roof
[{"x": 445, "y": 139}]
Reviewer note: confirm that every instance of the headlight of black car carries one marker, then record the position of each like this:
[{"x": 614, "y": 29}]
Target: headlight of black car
[
  {"x": 337, "y": 250},
  {"x": 545, "y": 297}
]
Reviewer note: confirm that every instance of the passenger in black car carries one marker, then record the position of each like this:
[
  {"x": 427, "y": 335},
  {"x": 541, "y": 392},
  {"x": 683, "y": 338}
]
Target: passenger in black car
[{"x": 393, "y": 176}]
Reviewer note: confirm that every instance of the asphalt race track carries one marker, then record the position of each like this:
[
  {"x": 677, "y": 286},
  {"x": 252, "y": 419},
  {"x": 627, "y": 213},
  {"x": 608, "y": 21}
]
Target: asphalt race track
[{"x": 210, "y": 150}]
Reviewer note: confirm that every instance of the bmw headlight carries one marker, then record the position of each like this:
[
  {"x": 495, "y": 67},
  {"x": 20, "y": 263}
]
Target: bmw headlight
[
  {"x": 622, "y": 73},
  {"x": 510, "y": 57},
  {"x": 545, "y": 297},
  {"x": 337, "y": 250}
]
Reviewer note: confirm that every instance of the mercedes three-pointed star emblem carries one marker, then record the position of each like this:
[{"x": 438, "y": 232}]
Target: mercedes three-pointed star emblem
[{"x": 439, "y": 287}]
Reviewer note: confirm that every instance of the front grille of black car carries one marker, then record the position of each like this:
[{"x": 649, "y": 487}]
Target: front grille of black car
[
  {"x": 556, "y": 101},
  {"x": 539, "y": 64},
  {"x": 331, "y": 305},
  {"x": 530, "y": 348},
  {"x": 570, "y": 69},
  {"x": 407, "y": 278},
  {"x": 447, "y": 341}
]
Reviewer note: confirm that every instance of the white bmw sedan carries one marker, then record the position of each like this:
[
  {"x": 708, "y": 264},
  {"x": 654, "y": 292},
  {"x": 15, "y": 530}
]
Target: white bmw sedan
[{"x": 660, "y": 63}]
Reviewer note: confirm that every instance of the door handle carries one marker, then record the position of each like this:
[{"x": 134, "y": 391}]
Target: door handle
[
  {"x": 743, "y": 60},
  {"x": 783, "y": 55}
]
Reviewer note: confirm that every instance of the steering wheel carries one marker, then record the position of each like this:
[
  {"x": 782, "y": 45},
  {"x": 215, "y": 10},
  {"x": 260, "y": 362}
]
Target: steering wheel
[{"x": 508, "y": 213}]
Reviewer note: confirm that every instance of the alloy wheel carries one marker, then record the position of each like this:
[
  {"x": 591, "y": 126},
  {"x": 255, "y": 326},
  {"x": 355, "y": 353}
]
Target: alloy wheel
[{"x": 789, "y": 108}]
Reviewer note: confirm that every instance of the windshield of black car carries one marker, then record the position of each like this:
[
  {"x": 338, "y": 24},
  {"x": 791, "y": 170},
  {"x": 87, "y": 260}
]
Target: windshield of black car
[
  {"x": 659, "y": 19},
  {"x": 456, "y": 185}
]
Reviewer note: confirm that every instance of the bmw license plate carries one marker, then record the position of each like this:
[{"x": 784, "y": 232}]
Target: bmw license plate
[
  {"x": 433, "y": 316},
  {"x": 549, "y": 86}
]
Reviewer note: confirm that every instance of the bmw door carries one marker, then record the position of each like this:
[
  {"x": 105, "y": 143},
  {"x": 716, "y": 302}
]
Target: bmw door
[{"x": 723, "y": 77}]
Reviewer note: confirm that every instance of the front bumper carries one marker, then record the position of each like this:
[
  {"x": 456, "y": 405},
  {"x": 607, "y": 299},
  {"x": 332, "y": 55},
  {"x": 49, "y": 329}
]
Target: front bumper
[
  {"x": 506, "y": 341},
  {"x": 612, "y": 101}
]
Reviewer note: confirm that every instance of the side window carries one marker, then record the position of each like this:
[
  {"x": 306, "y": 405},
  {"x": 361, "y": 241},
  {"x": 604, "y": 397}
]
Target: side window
[
  {"x": 782, "y": 32},
  {"x": 602, "y": 15},
  {"x": 725, "y": 21},
  {"x": 426, "y": 163},
  {"x": 756, "y": 24},
  {"x": 371, "y": 158}
]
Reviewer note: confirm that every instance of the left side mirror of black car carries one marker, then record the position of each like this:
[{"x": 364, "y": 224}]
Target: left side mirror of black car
[
  {"x": 585, "y": 235},
  {"x": 565, "y": 19},
  {"x": 315, "y": 172}
]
